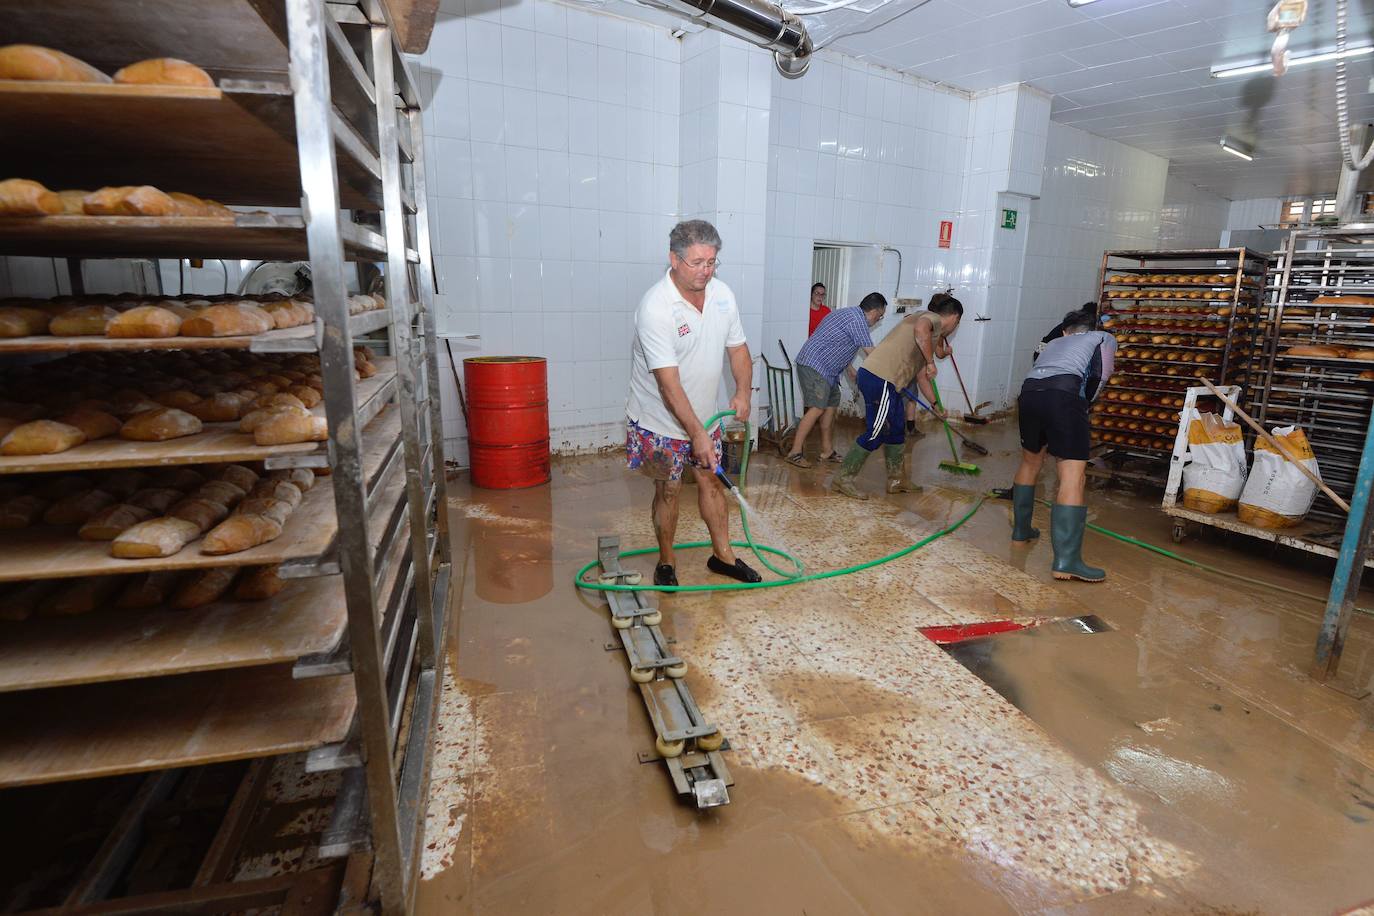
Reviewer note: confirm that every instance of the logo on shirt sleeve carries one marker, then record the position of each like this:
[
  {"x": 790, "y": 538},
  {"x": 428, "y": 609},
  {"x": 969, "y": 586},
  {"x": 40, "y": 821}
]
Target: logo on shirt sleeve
[{"x": 683, "y": 330}]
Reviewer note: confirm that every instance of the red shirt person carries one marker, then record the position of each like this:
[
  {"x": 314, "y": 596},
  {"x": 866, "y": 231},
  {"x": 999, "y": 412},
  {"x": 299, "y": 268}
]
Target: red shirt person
[{"x": 818, "y": 308}]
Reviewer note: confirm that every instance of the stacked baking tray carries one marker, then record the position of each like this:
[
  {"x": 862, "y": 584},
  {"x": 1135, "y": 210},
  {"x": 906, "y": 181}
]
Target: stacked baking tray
[
  {"x": 1316, "y": 366},
  {"x": 315, "y": 108},
  {"x": 1177, "y": 316}
]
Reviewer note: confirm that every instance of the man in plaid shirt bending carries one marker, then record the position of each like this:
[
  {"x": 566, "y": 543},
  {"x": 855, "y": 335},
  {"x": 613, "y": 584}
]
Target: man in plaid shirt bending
[{"x": 827, "y": 353}]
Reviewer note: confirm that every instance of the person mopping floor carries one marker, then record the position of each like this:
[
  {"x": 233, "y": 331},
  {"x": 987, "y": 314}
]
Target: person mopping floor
[
  {"x": 1053, "y": 408},
  {"x": 906, "y": 354}
]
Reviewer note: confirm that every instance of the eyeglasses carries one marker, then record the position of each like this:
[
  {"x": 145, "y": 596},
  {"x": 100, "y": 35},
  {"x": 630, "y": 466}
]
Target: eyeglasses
[{"x": 709, "y": 263}]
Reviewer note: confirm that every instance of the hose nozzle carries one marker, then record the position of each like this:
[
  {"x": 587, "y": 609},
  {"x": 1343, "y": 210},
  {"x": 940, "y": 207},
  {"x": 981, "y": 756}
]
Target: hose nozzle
[{"x": 720, "y": 473}]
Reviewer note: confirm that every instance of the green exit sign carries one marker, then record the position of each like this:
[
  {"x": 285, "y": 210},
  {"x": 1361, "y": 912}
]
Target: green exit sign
[{"x": 1008, "y": 219}]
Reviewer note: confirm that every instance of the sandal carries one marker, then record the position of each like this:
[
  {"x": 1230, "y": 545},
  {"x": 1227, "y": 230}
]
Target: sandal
[
  {"x": 834, "y": 458},
  {"x": 799, "y": 460}
]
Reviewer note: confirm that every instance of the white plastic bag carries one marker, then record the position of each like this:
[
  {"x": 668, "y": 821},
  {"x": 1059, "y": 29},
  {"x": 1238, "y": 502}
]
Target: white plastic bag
[
  {"x": 1277, "y": 494},
  {"x": 1213, "y": 479}
]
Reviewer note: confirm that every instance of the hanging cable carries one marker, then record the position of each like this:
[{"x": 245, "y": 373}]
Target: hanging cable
[{"x": 1342, "y": 100}]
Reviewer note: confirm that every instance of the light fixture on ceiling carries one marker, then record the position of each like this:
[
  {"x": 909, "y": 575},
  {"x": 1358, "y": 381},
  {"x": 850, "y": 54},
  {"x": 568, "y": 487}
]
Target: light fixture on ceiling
[
  {"x": 1081, "y": 2},
  {"x": 1236, "y": 148},
  {"x": 1222, "y": 71}
]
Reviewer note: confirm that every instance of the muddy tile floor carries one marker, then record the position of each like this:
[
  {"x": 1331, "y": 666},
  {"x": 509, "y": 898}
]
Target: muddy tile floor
[{"x": 1180, "y": 762}]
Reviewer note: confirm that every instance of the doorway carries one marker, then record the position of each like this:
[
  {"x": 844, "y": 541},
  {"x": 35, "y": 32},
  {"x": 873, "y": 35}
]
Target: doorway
[{"x": 830, "y": 265}]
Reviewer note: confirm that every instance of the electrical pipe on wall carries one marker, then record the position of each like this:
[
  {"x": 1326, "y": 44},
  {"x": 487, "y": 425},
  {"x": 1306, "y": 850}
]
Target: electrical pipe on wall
[{"x": 758, "y": 22}]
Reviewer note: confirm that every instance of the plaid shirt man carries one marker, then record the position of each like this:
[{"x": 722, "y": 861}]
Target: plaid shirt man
[{"x": 840, "y": 335}]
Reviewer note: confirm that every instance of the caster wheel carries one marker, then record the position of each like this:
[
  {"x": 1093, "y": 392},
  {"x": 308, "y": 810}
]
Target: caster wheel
[
  {"x": 641, "y": 675},
  {"x": 1179, "y": 533},
  {"x": 633, "y": 578},
  {"x": 710, "y": 742},
  {"x": 622, "y": 623},
  {"x": 676, "y": 670},
  {"x": 652, "y": 619},
  {"x": 668, "y": 748}
]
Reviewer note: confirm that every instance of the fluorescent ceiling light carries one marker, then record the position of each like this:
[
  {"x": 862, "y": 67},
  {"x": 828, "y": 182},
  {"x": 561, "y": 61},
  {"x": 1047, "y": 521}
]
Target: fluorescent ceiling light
[
  {"x": 1081, "y": 2},
  {"x": 1222, "y": 71},
  {"x": 1238, "y": 149}
]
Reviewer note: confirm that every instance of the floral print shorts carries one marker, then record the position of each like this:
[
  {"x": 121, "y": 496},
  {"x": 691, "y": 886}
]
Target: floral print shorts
[{"x": 660, "y": 457}]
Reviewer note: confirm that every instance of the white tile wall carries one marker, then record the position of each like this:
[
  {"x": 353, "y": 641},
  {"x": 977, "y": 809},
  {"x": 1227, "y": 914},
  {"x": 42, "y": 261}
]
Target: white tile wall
[{"x": 1191, "y": 217}]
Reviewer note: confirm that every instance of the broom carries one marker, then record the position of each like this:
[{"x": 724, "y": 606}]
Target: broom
[
  {"x": 968, "y": 443},
  {"x": 956, "y": 466}
]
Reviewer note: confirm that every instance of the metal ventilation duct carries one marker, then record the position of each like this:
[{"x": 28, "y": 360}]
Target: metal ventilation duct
[{"x": 756, "y": 21}]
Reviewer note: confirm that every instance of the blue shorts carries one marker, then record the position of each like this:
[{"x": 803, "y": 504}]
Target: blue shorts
[{"x": 885, "y": 415}]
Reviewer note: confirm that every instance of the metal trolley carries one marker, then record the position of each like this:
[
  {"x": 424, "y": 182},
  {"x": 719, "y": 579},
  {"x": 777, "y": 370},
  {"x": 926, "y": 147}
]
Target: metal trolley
[{"x": 314, "y": 107}]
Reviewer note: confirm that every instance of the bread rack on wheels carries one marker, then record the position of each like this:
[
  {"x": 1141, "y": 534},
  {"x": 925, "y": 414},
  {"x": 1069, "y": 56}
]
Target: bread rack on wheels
[
  {"x": 313, "y": 111},
  {"x": 1176, "y": 315}
]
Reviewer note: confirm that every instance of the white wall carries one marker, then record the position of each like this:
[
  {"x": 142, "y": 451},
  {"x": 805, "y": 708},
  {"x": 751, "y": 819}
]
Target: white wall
[
  {"x": 1191, "y": 217},
  {"x": 1251, "y": 213}
]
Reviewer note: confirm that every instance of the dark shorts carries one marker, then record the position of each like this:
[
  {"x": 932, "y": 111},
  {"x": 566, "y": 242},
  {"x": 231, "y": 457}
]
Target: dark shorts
[
  {"x": 816, "y": 391},
  {"x": 1058, "y": 419},
  {"x": 884, "y": 415}
]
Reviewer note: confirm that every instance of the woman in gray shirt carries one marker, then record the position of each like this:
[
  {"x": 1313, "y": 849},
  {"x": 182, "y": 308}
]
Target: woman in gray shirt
[{"x": 1053, "y": 416}]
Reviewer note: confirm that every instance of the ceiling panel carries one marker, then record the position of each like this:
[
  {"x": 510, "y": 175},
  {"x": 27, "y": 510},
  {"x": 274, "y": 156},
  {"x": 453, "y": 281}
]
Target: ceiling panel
[{"x": 1139, "y": 71}]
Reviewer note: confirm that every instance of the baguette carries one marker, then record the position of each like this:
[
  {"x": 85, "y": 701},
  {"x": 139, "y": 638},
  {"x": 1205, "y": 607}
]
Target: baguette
[
  {"x": 279, "y": 399},
  {"x": 224, "y": 407},
  {"x": 221, "y": 491},
  {"x": 203, "y": 513},
  {"x": 279, "y": 490},
  {"x": 41, "y": 437},
  {"x": 78, "y": 508},
  {"x": 160, "y": 424},
  {"x": 72, "y": 202},
  {"x": 93, "y": 424},
  {"x": 204, "y": 587},
  {"x": 156, "y": 500},
  {"x": 81, "y": 596},
  {"x": 308, "y": 396},
  {"x": 258, "y": 583},
  {"x": 21, "y": 602},
  {"x": 83, "y": 321},
  {"x": 147, "y": 590},
  {"x": 112, "y": 521},
  {"x": 238, "y": 533},
  {"x": 21, "y": 511},
  {"x": 189, "y": 204},
  {"x": 31, "y": 62},
  {"x": 265, "y": 507},
  {"x": 1313, "y": 350},
  {"x": 238, "y": 475},
  {"x": 21, "y": 197},
  {"x": 284, "y": 429},
  {"x": 254, "y": 418},
  {"x": 19, "y": 320},
  {"x": 145, "y": 321},
  {"x": 164, "y": 71},
  {"x": 159, "y": 537},
  {"x": 124, "y": 483},
  {"x": 233, "y": 320},
  {"x": 129, "y": 200}
]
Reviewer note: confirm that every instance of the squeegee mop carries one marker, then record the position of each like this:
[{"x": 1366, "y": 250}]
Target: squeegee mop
[
  {"x": 968, "y": 443},
  {"x": 955, "y": 465}
]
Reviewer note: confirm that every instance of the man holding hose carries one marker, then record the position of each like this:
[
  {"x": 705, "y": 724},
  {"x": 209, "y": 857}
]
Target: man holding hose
[
  {"x": 906, "y": 355},
  {"x": 684, "y": 324},
  {"x": 1053, "y": 415}
]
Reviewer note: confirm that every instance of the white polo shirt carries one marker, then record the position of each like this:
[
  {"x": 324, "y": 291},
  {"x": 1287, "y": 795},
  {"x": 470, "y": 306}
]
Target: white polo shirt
[{"x": 669, "y": 331}]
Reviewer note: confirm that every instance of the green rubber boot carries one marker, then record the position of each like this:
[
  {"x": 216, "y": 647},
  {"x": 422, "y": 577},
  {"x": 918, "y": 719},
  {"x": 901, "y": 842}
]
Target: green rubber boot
[
  {"x": 893, "y": 456},
  {"x": 849, "y": 469},
  {"x": 1022, "y": 507},
  {"x": 1066, "y": 534}
]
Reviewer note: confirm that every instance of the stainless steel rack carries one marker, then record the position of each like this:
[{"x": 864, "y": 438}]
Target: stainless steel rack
[
  {"x": 314, "y": 107},
  {"x": 1176, "y": 315},
  {"x": 1322, "y": 296}
]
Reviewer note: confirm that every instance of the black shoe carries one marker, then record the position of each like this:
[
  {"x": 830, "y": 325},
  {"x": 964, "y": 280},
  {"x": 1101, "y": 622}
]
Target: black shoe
[
  {"x": 664, "y": 574},
  {"x": 740, "y": 570},
  {"x": 1001, "y": 493}
]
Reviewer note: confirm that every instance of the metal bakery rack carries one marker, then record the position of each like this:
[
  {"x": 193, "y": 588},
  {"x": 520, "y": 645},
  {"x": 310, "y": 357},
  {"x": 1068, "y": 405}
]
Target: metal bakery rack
[
  {"x": 1176, "y": 315},
  {"x": 316, "y": 112}
]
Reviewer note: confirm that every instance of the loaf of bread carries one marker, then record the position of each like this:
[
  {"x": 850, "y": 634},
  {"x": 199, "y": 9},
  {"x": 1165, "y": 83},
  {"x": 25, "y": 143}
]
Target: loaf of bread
[
  {"x": 41, "y": 437},
  {"x": 112, "y": 521},
  {"x": 180, "y": 478},
  {"x": 129, "y": 200},
  {"x": 203, "y": 513},
  {"x": 82, "y": 321},
  {"x": 21, "y": 197},
  {"x": 308, "y": 397},
  {"x": 158, "y": 537},
  {"x": 156, "y": 500},
  {"x": 23, "y": 601},
  {"x": 31, "y": 62},
  {"x": 277, "y": 490},
  {"x": 1313, "y": 350},
  {"x": 160, "y": 424},
  {"x": 145, "y": 321},
  {"x": 238, "y": 533},
  {"x": 164, "y": 71},
  {"x": 273, "y": 509},
  {"x": 253, "y": 418},
  {"x": 1360, "y": 354},
  {"x": 78, "y": 508},
  {"x": 22, "y": 511},
  {"x": 279, "y": 399},
  {"x": 147, "y": 590},
  {"x": 124, "y": 482},
  {"x": 204, "y": 587},
  {"x": 81, "y": 596},
  {"x": 21, "y": 321},
  {"x": 232, "y": 320},
  {"x": 287, "y": 313},
  {"x": 224, "y": 407},
  {"x": 73, "y": 202},
  {"x": 258, "y": 583},
  {"x": 220, "y": 491},
  {"x": 238, "y": 475},
  {"x": 94, "y": 424},
  {"x": 290, "y": 427},
  {"x": 1342, "y": 299}
]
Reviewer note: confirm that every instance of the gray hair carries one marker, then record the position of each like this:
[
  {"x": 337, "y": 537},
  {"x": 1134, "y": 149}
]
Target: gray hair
[{"x": 692, "y": 232}]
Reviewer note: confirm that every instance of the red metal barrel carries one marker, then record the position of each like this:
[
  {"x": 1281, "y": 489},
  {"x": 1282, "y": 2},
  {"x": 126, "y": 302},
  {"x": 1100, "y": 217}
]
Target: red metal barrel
[{"x": 508, "y": 420}]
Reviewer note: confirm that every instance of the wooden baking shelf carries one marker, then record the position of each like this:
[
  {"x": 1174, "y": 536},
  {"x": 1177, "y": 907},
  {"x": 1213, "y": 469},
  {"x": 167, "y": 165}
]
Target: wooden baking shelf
[
  {"x": 306, "y": 617},
  {"x": 247, "y": 236},
  {"x": 220, "y": 442},
  {"x": 303, "y": 339},
  {"x": 66, "y": 733}
]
